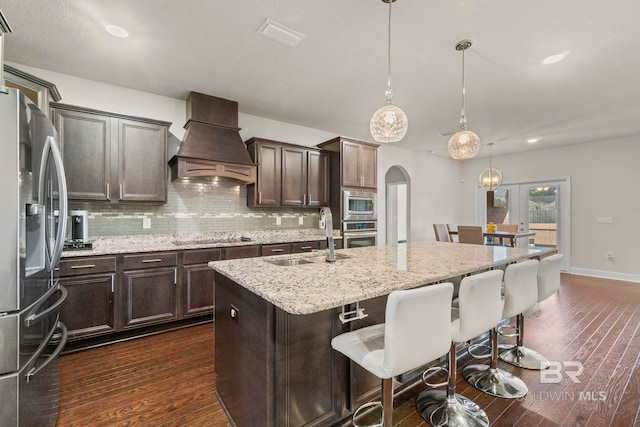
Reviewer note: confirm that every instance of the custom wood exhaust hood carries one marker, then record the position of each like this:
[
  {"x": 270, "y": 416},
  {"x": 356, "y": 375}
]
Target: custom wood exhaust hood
[{"x": 212, "y": 146}]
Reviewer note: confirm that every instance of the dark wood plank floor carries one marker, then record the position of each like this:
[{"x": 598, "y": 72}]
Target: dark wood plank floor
[{"x": 593, "y": 324}]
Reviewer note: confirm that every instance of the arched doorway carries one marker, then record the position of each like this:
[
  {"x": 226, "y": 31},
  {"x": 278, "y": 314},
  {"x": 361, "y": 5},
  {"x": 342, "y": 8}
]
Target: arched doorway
[{"x": 398, "y": 205}]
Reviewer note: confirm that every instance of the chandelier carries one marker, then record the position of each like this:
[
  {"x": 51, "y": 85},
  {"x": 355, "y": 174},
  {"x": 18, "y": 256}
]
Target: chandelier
[{"x": 490, "y": 178}]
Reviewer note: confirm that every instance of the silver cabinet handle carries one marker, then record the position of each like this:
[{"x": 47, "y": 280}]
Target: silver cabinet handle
[
  {"x": 151, "y": 260},
  {"x": 113, "y": 286},
  {"x": 259, "y": 197},
  {"x": 277, "y": 250},
  {"x": 306, "y": 247},
  {"x": 120, "y": 192},
  {"x": 108, "y": 192},
  {"x": 175, "y": 276},
  {"x": 304, "y": 199},
  {"x": 75, "y": 267}
]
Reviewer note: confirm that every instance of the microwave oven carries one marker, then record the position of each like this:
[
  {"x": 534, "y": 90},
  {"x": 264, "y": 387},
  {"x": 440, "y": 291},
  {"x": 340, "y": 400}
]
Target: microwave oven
[{"x": 359, "y": 206}]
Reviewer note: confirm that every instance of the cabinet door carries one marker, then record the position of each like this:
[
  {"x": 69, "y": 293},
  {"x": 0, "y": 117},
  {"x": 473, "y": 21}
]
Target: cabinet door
[
  {"x": 89, "y": 308},
  {"x": 276, "y": 249},
  {"x": 149, "y": 296},
  {"x": 369, "y": 166},
  {"x": 198, "y": 292},
  {"x": 142, "y": 161},
  {"x": 268, "y": 182},
  {"x": 317, "y": 178},
  {"x": 351, "y": 176},
  {"x": 294, "y": 176},
  {"x": 85, "y": 141}
]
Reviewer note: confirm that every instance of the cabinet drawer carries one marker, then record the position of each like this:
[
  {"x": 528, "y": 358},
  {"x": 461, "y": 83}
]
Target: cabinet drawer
[
  {"x": 150, "y": 260},
  {"x": 202, "y": 256},
  {"x": 76, "y": 266},
  {"x": 298, "y": 247},
  {"x": 279, "y": 249},
  {"x": 236, "y": 252}
]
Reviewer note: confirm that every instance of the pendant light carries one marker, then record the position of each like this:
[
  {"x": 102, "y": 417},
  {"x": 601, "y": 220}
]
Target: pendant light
[
  {"x": 464, "y": 144},
  {"x": 490, "y": 178},
  {"x": 389, "y": 123}
]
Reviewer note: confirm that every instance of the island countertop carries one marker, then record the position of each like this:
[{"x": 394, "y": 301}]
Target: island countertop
[{"x": 366, "y": 273}]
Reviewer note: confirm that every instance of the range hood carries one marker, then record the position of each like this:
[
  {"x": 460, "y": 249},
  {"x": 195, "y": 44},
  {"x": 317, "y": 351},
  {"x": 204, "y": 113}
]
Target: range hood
[{"x": 212, "y": 146}]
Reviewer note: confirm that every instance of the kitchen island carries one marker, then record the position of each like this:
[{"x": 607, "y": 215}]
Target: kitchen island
[{"x": 275, "y": 317}]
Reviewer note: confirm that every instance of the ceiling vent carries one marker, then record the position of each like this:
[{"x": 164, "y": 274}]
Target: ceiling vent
[{"x": 280, "y": 33}]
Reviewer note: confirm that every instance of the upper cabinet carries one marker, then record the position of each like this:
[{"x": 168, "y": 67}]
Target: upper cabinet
[
  {"x": 357, "y": 160},
  {"x": 288, "y": 175},
  {"x": 111, "y": 157}
]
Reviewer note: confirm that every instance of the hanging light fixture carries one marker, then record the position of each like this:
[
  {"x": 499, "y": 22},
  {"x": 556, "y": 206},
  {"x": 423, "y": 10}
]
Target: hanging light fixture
[
  {"x": 490, "y": 178},
  {"x": 389, "y": 123},
  {"x": 464, "y": 144}
]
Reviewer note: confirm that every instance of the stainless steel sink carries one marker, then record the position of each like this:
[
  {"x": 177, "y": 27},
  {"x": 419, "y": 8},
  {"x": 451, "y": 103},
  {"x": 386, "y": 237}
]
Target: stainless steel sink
[{"x": 288, "y": 262}]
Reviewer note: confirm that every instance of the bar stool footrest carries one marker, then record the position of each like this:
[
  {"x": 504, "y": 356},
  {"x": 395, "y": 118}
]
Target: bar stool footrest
[{"x": 369, "y": 407}]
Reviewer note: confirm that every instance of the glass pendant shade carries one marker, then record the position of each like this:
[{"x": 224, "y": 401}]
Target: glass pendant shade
[
  {"x": 464, "y": 144},
  {"x": 490, "y": 178},
  {"x": 388, "y": 124}
]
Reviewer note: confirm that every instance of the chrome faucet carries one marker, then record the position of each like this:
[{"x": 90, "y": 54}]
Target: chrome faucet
[{"x": 328, "y": 226}]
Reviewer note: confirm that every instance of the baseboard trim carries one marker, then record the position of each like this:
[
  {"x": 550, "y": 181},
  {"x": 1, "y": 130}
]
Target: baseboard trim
[{"x": 606, "y": 274}]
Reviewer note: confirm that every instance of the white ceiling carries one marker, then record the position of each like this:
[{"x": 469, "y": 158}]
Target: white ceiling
[{"x": 336, "y": 78}]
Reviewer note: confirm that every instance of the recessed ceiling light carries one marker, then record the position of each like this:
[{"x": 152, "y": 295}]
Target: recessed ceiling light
[
  {"x": 554, "y": 58},
  {"x": 533, "y": 140},
  {"x": 117, "y": 31},
  {"x": 280, "y": 33}
]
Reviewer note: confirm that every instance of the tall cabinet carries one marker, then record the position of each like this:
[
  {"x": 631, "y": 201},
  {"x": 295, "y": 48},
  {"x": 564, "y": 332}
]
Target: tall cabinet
[{"x": 111, "y": 157}]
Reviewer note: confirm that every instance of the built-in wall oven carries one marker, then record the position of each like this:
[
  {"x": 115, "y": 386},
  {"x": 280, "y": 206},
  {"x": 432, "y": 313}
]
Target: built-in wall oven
[
  {"x": 359, "y": 206},
  {"x": 358, "y": 234}
]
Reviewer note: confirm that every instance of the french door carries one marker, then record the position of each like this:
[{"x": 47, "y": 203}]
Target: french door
[{"x": 541, "y": 207}]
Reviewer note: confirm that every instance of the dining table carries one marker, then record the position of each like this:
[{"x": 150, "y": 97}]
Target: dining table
[{"x": 501, "y": 235}]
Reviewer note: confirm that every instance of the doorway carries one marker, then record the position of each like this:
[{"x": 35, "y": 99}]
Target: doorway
[
  {"x": 542, "y": 207},
  {"x": 398, "y": 205}
]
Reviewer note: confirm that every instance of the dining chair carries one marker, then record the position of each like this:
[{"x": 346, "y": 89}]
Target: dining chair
[
  {"x": 470, "y": 234},
  {"x": 510, "y": 228},
  {"x": 442, "y": 232}
]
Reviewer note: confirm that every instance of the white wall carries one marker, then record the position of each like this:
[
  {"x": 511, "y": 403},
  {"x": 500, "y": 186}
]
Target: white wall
[
  {"x": 435, "y": 190},
  {"x": 604, "y": 182}
]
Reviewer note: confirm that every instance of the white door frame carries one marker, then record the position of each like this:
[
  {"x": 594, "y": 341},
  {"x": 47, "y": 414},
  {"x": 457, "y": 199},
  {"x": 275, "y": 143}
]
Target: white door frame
[{"x": 563, "y": 205}]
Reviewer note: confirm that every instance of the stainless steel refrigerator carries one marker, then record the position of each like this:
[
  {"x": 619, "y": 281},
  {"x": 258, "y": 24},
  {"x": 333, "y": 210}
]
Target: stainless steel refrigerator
[{"x": 32, "y": 231}]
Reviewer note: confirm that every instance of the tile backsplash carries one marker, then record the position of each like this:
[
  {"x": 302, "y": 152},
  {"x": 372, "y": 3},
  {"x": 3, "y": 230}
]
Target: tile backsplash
[{"x": 197, "y": 206}]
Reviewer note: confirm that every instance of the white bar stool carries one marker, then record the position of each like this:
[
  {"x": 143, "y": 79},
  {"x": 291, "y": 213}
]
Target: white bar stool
[
  {"x": 401, "y": 344},
  {"x": 491, "y": 379},
  {"x": 480, "y": 309},
  {"x": 547, "y": 282}
]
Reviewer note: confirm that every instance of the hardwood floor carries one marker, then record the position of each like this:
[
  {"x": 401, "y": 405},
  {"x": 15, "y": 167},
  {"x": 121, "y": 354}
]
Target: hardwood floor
[{"x": 169, "y": 379}]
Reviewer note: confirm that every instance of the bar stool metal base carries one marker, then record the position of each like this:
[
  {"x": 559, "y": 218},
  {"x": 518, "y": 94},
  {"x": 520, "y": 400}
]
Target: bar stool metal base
[
  {"x": 524, "y": 357},
  {"x": 495, "y": 381},
  {"x": 438, "y": 410}
]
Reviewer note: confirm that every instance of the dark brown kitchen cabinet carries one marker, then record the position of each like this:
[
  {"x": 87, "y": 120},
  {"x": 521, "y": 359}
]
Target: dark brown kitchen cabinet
[
  {"x": 288, "y": 175},
  {"x": 299, "y": 247},
  {"x": 276, "y": 249},
  {"x": 357, "y": 160},
  {"x": 90, "y": 306},
  {"x": 197, "y": 278},
  {"x": 150, "y": 288},
  {"x": 111, "y": 157}
]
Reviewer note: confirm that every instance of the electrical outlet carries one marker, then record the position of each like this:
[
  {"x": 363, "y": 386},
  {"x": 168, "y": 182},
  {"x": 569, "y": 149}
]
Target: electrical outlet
[
  {"x": 604, "y": 220},
  {"x": 278, "y": 220},
  {"x": 610, "y": 256},
  {"x": 146, "y": 222},
  {"x": 300, "y": 220}
]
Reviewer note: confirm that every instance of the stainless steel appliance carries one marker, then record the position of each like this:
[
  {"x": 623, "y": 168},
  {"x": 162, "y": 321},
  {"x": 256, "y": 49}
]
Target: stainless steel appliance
[
  {"x": 34, "y": 205},
  {"x": 79, "y": 226},
  {"x": 359, "y": 206},
  {"x": 357, "y": 234}
]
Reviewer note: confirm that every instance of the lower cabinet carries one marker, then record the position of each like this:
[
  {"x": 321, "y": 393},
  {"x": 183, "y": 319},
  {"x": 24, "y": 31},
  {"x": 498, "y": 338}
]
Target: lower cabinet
[
  {"x": 150, "y": 289},
  {"x": 90, "y": 307},
  {"x": 197, "y": 280}
]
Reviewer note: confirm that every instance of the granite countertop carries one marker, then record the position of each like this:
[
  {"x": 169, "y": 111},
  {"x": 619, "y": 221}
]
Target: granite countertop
[
  {"x": 180, "y": 241},
  {"x": 367, "y": 273}
]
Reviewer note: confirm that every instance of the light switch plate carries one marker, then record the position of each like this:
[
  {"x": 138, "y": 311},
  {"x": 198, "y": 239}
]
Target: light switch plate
[
  {"x": 300, "y": 220},
  {"x": 278, "y": 220},
  {"x": 146, "y": 222}
]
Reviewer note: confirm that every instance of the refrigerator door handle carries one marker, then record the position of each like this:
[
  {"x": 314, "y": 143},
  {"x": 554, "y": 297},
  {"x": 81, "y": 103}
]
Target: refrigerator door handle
[
  {"x": 51, "y": 148},
  {"x": 34, "y": 317},
  {"x": 63, "y": 341}
]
